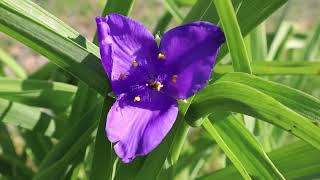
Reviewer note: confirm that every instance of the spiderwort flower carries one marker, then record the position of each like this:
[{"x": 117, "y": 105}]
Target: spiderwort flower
[{"x": 148, "y": 79}]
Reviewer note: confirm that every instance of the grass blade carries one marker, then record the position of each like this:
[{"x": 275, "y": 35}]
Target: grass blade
[
  {"x": 11, "y": 63},
  {"x": 173, "y": 9},
  {"x": 33, "y": 26},
  {"x": 296, "y": 100},
  {"x": 53, "y": 95},
  {"x": 235, "y": 42},
  {"x": 239, "y": 144},
  {"x": 236, "y": 97},
  {"x": 285, "y": 159}
]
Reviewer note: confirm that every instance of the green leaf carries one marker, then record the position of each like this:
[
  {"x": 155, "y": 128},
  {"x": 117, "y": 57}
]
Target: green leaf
[
  {"x": 296, "y": 100},
  {"x": 280, "y": 40},
  {"x": 11, "y": 166},
  {"x": 44, "y": 72},
  {"x": 58, "y": 159},
  {"x": 276, "y": 68},
  {"x": 203, "y": 10},
  {"x": 102, "y": 162},
  {"x": 250, "y": 14},
  {"x": 11, "y": 63},
  {"x": 53, "y": 95},
  {"x": 241, "y": 147},
  {"x": 6, "y": 145},
  {"x": 28, "y": 117},
  {"x": 235, "y": 42},
  {"x": 310, "y": 51},
  {"x": 37, "y": 143},
  {"x": 46, "y": 34},
  {"x": 173, "y": 9},
  {"x": 296, "y": 161},
  {"x": 236, "y": 97},
  {"x": 121, "y": 7},
  {"x": 163, "y": 22},
  {"x": 259, "y": 43},
  {"x": 185, "y": 2}
]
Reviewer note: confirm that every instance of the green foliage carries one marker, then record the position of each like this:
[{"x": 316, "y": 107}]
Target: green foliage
[{"x": 257, "y": 117}]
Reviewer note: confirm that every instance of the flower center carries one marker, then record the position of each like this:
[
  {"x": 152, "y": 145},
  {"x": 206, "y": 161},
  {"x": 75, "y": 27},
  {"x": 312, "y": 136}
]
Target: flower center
[{"x": 155, "y": 85}]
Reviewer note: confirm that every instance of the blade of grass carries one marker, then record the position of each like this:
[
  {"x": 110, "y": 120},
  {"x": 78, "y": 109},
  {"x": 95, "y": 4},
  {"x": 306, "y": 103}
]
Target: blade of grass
[
  {"x": 103, "y": 160},
  {"x": 276, "y": 68},
  {"x": 163, "y": 22},
  {"x": 172, "y": 7},
  {"x": 63, "y": 153},
  {"x": 33, "y": 26},
  {"x": 235, "y": 42},
  {"x": 236, "y": 97},
  {"x": 43, "y": 73},
  {"x": 280, "y": 40},
  {"x": 11, "y": 63},
  {"x": 259, "y": 43},
  {"x": 296, "y": 100},
  {"x": 14, "y": 167},
  {"x": 241, "y": 147},
  {"x": 28, "y": 117},
  {"x": 285, "y": 159},
  {"x": 53, "y": 95}
]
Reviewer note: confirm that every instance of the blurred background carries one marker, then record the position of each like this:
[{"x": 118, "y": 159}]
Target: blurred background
[{"x": 302, "y": 17}]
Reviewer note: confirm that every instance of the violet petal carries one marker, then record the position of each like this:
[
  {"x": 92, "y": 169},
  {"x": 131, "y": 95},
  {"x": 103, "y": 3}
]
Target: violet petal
[
  {"x": 190, "y": 51},
  {"x": 137, "y": 128},
  {"x": 122, "y": 41}
]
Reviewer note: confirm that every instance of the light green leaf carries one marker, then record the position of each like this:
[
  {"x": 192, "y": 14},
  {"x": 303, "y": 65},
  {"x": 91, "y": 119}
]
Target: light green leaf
[
  {"x": 173, "y": 9},
  {"x": 236, "y": 97},
  {"x": 11, "y": 63},
  {"x": 241, "y": 147},
  {"x": 296, "y": 161},
  {"x": 276, "y": 68},
  {"x": 28, "y": 117},
  {"x": 280, "y": 40},
  {"x": 58, "y": 159},
  {"x": 53, "y": 95},
  {"x": 235, "y": 42},
  {"x": 296, "y": 100},
  {"x": 46, "y": 34}
]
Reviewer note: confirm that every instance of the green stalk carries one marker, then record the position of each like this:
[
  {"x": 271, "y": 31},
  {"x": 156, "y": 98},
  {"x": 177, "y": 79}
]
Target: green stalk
[{"x": 235, "y": 42}]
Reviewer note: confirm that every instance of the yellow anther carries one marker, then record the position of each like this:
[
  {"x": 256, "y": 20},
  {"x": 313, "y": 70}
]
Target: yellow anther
[
  {"x": 135, "y": 63},
  {"x": 174, "y": 78},
  {"x": 156, "y": 85},
  {"x": 161, "y": 56},
  {"x": 137, "y": 99},
  {"x": 122, "y": 76}
]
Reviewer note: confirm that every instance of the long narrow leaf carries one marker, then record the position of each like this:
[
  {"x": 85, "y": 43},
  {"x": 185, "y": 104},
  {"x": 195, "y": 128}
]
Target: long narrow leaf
[
  {"x": 230, "y": 96},
  {"x": 239, "y": 144}
]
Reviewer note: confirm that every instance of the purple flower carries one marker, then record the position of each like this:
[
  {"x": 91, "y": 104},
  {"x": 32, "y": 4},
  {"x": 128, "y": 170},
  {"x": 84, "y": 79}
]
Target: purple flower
[{"x": 148, "y": 79}]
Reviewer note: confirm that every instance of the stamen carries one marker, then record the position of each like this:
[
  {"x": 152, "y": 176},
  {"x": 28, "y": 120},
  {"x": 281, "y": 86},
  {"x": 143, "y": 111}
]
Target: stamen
[
  {"x": 174, "y": 78},
  {"x": 161, "y": 56},
  {"x": 156, "y": 85},
  {"x": 135, "y": 63},
  {"x": 137, "y": 99},
  {"x": 122, "y": 76}
]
